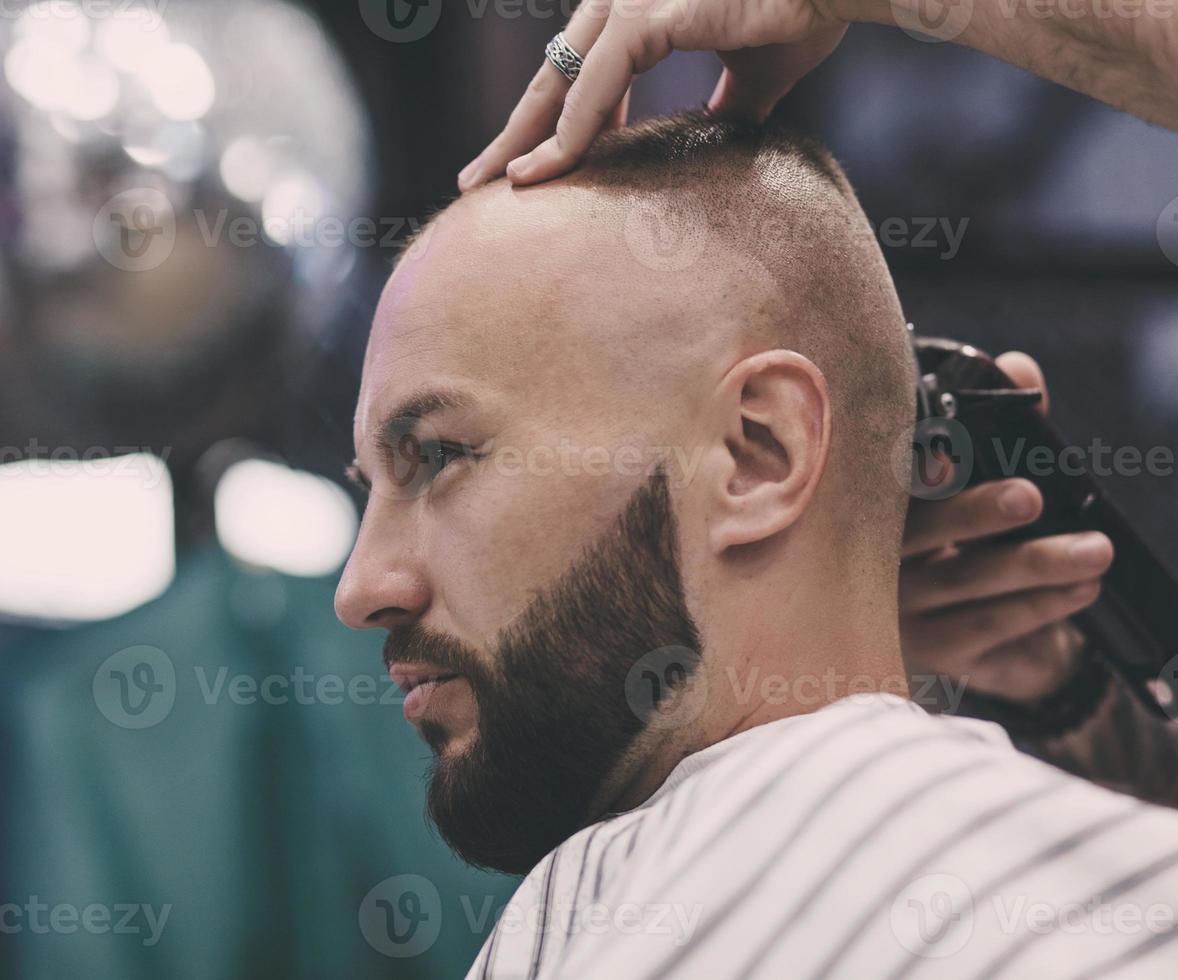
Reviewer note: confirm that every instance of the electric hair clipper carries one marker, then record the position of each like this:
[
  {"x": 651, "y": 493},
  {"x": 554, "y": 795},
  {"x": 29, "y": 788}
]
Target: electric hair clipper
[{"x": 972, "y": 415}]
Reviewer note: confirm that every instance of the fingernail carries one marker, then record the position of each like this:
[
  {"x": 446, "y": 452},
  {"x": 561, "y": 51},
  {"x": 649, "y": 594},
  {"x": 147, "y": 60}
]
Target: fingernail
[
  {"x": 1092, "y": 549},
  {"x": 519, "y": 167},
  {"x": 467, "y": 175},
  {"x": 1017, "y": 503}
]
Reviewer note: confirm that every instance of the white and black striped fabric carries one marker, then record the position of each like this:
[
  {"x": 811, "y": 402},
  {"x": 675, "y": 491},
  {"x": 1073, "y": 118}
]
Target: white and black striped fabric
[{"x": 866, "y": 840}]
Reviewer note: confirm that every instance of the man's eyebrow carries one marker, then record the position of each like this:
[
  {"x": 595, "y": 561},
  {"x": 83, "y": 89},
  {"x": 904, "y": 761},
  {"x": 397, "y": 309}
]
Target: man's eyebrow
[{"x": 403, "y": 419}]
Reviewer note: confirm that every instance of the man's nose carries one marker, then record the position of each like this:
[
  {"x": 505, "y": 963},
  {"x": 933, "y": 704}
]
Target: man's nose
[{"x": 380, "y": 590}]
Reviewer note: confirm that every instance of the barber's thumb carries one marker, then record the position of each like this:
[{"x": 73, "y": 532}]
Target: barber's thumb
[{"x": 736, "y": 97}]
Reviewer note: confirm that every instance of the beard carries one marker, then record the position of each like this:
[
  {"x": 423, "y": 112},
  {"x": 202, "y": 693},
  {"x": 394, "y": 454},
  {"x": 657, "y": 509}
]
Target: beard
[{"x": 556, "y": 708}]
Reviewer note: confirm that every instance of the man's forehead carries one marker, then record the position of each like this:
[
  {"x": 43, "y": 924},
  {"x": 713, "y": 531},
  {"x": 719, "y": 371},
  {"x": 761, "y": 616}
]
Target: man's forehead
[
  {"x": 539, "y": 294},
  {"x": 494, "y": 288},
  {"x": 482, "y": 266}
]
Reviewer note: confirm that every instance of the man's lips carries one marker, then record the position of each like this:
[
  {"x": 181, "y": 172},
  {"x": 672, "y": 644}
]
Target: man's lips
[
  {"x": 409, "y": 676},
  {"x": 420, "y": 682}
]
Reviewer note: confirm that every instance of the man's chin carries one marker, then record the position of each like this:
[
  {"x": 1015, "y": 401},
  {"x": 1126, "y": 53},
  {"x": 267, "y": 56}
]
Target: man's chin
[
  {"x": 436, "y": 736},
  {"x": 447, "y": 746},
  {"x": 490, "y": 818}
]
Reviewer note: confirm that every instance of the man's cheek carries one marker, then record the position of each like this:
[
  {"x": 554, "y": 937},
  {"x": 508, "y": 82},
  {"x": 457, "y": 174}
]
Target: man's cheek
[
  {"x": 513, "y": 534},
  {"x": 519, "y": 535},
  {"x": 485, "y": 562}
]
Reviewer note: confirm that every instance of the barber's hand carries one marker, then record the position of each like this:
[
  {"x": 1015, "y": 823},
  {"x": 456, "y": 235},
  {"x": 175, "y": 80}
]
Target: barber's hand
[
  {"x": 766, "y": 47},
  {"x": 995, "y": 614}
]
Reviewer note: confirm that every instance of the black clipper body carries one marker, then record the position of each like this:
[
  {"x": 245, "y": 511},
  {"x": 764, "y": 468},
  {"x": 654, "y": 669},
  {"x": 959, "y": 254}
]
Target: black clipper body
[{"x": 990, "y": 429}]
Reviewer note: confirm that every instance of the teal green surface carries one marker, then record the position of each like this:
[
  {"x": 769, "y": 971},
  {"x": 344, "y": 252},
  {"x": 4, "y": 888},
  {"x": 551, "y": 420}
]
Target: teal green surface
[{"x": 263, "y": 825}]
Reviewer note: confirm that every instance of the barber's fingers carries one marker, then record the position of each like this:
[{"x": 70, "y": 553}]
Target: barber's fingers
[
  {"x": 620, "y": 114},
  {"x": 534, "y": 117},
  {"x": 954, "y": 640},
  {"x": 733, "y": 97},
  {"x": 592, "y": 101},
  {"x": 530, "y": 121},
  {"x": 755, "y": 79},
  {"x": 988, "y": 570},
  {"x": 989, "y": 508},
  {"x": 1025, "y": 372},
  {"x": 958, "y": 641},
  {"x": 1030, "y": 666},
  {"x": 749, "y": 86}
]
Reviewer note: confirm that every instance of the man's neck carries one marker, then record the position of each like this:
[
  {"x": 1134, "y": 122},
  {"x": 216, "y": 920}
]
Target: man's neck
[{"x": 760, "y": 686}]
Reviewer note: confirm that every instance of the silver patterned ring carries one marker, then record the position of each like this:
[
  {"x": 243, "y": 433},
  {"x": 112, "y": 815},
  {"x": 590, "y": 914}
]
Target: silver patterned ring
[{"x": 563, "y": 58}]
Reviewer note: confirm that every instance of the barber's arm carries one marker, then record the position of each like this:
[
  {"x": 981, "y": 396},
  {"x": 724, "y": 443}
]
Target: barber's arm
[
  {"x": 1123, "y": 52},
  {"x": 995, "y": 615}
]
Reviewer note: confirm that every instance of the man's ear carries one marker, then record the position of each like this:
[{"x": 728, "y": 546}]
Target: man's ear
[{"x": 776, "y": 437}]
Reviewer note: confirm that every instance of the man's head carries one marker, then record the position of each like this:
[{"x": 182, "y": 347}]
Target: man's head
[{"x": 629, "y": 437}]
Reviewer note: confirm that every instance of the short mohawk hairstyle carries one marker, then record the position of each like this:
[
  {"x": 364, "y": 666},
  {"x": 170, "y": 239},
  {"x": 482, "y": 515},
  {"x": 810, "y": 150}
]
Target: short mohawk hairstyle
[{"x": 694, "y": 141}]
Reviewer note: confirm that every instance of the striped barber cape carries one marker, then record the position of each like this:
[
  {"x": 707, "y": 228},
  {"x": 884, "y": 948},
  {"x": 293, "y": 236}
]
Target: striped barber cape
[{"x": 866, "y": 840}]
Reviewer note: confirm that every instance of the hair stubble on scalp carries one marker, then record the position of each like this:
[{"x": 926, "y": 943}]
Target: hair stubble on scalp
[{"x": 781, "y": 200}]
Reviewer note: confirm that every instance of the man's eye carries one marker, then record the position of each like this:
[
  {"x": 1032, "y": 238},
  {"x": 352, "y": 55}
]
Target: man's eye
[
  {"x": 417, "y": 463},
  {"x": 439, "y": 455}
]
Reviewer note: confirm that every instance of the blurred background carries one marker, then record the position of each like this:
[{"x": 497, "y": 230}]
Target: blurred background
[{"x": 203, "y": 774}]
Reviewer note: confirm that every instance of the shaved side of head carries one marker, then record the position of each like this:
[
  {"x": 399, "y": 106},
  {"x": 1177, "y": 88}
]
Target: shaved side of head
[{"x": 782, "y": 201}]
